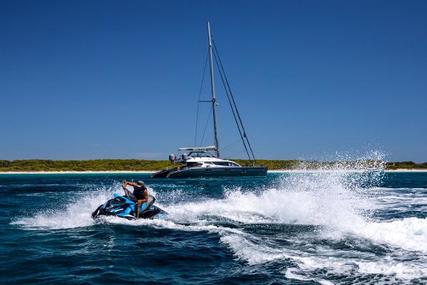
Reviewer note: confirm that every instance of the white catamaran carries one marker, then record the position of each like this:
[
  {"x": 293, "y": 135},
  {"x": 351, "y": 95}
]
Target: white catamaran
[{"x": 206, "y": 161}]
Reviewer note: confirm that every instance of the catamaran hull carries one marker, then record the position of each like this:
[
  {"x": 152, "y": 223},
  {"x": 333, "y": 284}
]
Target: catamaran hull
[{"x": 211, "y": 172}]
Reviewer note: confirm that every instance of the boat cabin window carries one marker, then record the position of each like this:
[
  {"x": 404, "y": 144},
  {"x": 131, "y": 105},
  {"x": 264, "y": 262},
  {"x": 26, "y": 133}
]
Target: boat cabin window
[
  {"x": 221, "y": 163},
  {"x": 193, "y": 164},
  {"x": 225, "y": 163},
  {"x": 200, "y": 154}
]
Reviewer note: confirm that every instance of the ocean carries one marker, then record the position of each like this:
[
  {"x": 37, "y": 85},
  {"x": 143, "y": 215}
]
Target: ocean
[{"x": 324, "y": 227}]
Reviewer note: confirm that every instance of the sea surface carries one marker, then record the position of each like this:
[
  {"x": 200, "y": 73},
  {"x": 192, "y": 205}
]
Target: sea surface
[{"x": 324, "y": 227}]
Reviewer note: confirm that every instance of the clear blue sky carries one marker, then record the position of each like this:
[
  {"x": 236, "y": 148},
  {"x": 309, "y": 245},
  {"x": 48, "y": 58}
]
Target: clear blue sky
[{"x": 120, "y": 79}]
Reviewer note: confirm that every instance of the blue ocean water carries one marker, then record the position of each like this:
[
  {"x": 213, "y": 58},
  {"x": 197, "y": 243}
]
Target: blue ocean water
[{"x": 326, "y": 227}]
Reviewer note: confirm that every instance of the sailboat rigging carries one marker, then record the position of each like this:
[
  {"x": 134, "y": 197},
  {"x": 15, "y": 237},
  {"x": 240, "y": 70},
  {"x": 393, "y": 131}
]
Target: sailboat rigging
[{"x": 206, "y": 161}]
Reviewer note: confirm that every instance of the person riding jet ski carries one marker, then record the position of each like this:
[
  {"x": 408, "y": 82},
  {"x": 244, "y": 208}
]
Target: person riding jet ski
[
  {"x": 140, "y": 195},
  {"x": 131, "y": 205}
]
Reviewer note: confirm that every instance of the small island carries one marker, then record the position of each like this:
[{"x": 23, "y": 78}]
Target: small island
[{"x": 40, "y": 165}]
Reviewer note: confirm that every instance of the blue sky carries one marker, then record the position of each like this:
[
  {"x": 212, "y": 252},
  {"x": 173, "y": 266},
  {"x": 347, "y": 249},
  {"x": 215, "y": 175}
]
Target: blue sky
[{"x": 120, "y": 79}]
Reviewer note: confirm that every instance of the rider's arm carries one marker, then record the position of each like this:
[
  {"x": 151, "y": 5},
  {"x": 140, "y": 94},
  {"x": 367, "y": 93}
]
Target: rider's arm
[{"x": 126, "y": 183}]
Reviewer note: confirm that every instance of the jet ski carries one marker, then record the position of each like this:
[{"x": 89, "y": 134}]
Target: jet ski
[{"x": 124, "y": 207}]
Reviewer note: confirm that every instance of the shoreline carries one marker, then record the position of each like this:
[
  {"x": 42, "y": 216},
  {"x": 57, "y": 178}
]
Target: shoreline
[{"x": 153, "y": 171}]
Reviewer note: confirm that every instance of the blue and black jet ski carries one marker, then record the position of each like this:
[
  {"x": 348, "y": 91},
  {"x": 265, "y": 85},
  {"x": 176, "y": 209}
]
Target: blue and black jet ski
[{"x": 124, "y": 207}]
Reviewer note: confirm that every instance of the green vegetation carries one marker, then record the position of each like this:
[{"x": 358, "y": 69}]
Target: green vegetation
[
  {"x": 82, "y": 165},
  {"x": 135, "y": 164},
  {"x": 272, "y": 164},
  {"x": 406, "y": 165}
]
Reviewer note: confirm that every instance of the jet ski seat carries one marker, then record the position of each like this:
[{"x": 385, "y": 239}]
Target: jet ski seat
[{"x": 150, "y": 201}]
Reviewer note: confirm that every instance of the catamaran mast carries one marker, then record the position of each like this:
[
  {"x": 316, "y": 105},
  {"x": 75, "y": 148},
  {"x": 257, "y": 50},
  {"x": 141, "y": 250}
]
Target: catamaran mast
[{"x": 213, "y": 90}]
